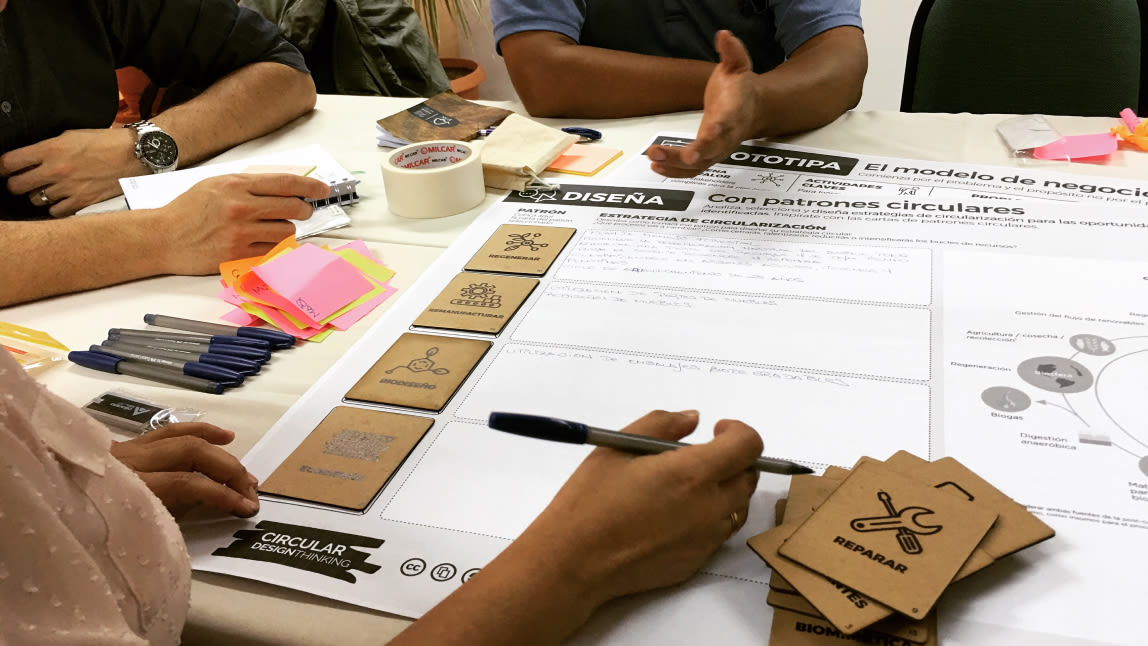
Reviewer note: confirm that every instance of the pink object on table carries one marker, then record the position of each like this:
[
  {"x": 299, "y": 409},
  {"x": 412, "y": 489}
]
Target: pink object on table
[
  {"x": 1077, "y": 147},
  {"x": 241, "y": 318},
  {"x": 350, "y": 318},
  {"x": 314, "y": 281},
  {"x": 1130, "y": 118}
]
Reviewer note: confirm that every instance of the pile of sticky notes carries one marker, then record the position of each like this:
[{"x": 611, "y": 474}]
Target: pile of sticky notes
[
  {"x": 869, "y": 551},
  {"x": 306, "y": 290}
]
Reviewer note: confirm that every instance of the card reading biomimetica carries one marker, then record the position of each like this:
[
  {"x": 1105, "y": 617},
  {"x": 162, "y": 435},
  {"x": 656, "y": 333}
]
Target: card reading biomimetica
[
  {"x": 894, "y": 539},
  {"x": 420, "y": 371},
  {"x": 521, "y": 249},
  {"x": 348, "y": 458},
  {"x": 477, "y": 302}
]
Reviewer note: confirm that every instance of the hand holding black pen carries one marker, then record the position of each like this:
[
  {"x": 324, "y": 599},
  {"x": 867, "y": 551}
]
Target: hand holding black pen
[{"x": 560, "y": 430}]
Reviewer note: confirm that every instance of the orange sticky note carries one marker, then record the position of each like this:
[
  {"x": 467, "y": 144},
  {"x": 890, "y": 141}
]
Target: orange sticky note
[{"x": 582, "y": 159}]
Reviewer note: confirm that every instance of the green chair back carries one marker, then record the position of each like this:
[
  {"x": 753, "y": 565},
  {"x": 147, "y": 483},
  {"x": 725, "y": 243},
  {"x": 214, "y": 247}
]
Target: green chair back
[{"x": 1071, "y": 57}]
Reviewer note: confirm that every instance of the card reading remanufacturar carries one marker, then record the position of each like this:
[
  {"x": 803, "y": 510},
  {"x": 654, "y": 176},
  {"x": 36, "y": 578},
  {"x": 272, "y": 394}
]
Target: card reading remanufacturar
[
  {"x": 521, "y": 249},
  {"x": 477, "y": 302},
  {"x": 348, "y": 458},
  {"x": 420, "y": 371}
]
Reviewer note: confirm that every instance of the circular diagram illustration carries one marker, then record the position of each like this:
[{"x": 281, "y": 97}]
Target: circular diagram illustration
[{"x": 1099, "y": 384}]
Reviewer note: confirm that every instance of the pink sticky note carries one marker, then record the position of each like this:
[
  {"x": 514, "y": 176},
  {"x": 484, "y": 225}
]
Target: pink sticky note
[
  {"x": 1130, "y": 118},
  {"x": 239, "y": 317},
  {"x": 359, "y": 246},
  {"x": 354, "y": 316},
  {"x": 315, "y": 281},
  {"x": 1077, "y": 147},
  {"x": 229, "y": 296},
  {"x": 276, "y": 318}
]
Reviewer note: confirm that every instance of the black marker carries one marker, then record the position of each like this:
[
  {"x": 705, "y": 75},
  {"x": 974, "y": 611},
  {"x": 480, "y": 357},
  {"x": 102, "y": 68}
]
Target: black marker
[
  {"x": 277, "y": 339},
  {"x": 560, "y": 430},
  {"x": 189, "y": 368},
  {"x": 108, "y": 363}
]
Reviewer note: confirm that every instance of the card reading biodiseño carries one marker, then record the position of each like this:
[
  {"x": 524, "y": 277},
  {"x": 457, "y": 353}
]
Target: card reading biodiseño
[
  {"x": 477, "y": 302},
  {"x": 348, "y": 458},
  {"x": 890, "y": 537},
  {"x": 792, "y": 629},
  {"x": 420, "y": 371},
  {"x": 521, "y": 249}
]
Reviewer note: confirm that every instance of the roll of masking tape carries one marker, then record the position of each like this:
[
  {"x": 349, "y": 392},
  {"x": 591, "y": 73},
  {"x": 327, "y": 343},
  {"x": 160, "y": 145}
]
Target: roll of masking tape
[{"x": 433, "y": 179}]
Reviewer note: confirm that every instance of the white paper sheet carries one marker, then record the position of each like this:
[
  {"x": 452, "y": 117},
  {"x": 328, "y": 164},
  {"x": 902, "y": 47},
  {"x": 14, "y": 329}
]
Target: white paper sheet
[
  {"x": 836, "y": 331},
  {"x": 157, "y": 190}
]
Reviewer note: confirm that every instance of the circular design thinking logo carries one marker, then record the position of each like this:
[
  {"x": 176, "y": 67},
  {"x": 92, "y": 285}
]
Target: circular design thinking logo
[
  {"x": 1056, "y": 374},
  {"x": 1006, "y": 399},
  {"x": 1092, "y": 344}
]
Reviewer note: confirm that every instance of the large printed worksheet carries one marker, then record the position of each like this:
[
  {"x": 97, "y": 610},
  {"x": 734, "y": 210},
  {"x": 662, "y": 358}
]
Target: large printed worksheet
[
  {"x": 792, "y": 169},
  {"x": 1010, "y": 335}
]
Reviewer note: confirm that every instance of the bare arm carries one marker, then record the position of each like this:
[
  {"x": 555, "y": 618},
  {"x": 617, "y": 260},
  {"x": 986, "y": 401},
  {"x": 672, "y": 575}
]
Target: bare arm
[
  {"x": 219, "y": 219},
  {"x": 82, "y": 167},
  {"x": 556, "y": 77},
  {"x": 820, "y": 81}
]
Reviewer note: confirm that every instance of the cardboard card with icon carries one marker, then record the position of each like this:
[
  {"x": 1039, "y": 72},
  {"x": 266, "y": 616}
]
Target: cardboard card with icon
[
  {"x": 843, "y": 606},
  {"x": 793, "y": 629},
  {"x": 475, "y": 302},
  {"x": 521, "y": 249},
  {"x": 420, "y": 371},
  {"x": 890, "y": 537},
  {"x": 348, "y": 458}
]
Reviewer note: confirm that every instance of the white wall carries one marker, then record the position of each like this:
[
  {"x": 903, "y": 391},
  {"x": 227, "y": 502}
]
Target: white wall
[{"x": 887, "y": 24}]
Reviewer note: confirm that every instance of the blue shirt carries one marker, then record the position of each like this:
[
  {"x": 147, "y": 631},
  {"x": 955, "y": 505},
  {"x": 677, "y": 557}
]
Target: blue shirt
[{"x": 770, "y": 29}]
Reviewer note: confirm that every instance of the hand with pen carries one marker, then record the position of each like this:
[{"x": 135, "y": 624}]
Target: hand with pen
[
  {"x": 184, "y": 466},
  {"x": 622, "y": 524}
]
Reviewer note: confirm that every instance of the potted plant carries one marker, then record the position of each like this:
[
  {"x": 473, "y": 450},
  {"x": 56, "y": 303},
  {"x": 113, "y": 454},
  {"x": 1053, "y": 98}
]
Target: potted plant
[{"x": 444, "y": 20}]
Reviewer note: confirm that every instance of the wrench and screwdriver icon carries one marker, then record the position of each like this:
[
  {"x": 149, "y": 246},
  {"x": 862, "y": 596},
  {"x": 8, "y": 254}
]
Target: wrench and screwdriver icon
[{"x": 904, "y": 522}]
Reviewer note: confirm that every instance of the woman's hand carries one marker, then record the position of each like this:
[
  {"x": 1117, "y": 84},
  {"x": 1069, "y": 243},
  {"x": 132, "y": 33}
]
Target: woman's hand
[
  {"x": 184, "y": 467},
  {"x": 629, "y": 523}
]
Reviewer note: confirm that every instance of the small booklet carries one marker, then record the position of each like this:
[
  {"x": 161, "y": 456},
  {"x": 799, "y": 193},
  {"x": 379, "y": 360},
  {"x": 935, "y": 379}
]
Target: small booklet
[{"x": 443, "y": 116}]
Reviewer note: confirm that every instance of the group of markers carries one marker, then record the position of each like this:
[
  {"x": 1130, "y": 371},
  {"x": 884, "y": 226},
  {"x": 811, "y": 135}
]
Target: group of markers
[{"x": 205, "y": 357}]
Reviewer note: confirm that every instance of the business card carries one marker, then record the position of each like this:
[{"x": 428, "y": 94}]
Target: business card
[
  {"x": 348, "y": 458},
  {"x": 420, "y": 371},
  {"x": 521, "y": 249},
  {"x": 474, "y": 302},
  {"x": 892, "y": 538}
]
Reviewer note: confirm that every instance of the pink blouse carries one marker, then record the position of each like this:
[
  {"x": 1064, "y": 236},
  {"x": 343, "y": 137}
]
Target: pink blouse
[{"x": 87, "y": 554}]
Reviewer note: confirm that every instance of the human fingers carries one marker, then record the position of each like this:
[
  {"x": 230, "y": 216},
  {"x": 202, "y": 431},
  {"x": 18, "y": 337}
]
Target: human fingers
[
  {"x": 15, "y": 161},
  {"x": 733, "y": 57},
  {"x": 285, "y": 185},
  {"x": 664, "y": 425},
  {"x": 181, "y": 491},
  {"x": 733, "y": 450},
  {"x": 271, "y": 208},
  {"x": 188, "y": 453},
  {"x": 209, "y": 432}
]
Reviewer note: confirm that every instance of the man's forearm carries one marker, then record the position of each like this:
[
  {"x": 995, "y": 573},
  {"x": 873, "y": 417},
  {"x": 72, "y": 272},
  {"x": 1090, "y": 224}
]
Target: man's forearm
[
  {"x": 247, "y": 103},
  {"x": 556, "y": 77},
  {"x": 98, "y": 250},
  {"x": 819, "y": 82}
]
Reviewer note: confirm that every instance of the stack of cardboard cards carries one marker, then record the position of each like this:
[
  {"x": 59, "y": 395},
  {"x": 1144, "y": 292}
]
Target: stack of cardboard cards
[{"x": 873, "y": 548}]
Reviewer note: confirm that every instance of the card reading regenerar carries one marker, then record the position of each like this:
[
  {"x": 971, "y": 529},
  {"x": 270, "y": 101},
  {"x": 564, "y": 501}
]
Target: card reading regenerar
[{"x": 521, "y": 249}]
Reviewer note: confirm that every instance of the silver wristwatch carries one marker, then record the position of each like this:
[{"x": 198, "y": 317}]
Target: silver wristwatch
[{"x": 154, "y": 147}]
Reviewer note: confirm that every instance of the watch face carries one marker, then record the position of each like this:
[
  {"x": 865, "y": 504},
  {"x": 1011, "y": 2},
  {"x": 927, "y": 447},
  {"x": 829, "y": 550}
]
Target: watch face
[{"x": 158, "y": 148}]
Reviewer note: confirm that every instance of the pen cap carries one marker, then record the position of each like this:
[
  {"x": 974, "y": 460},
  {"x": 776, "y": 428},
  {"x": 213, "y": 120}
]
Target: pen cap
[
  {"x": 543, "y": 428},
  {"x": 94, "y": 360}
]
